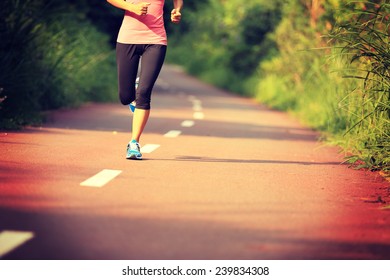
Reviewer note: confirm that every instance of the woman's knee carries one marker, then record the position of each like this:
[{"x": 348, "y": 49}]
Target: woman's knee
[
  {"x": 144, "y": 99},
  {"x": 126, "y": 96}
]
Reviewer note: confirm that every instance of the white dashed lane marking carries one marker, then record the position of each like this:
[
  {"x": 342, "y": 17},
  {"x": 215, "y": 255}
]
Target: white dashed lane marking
[
  {"x": 197, "y": 107},
  {"x": 198, "y": 115},
  {"x": 148, "y": 148},
  {"x": 187, "y": 123},
  {"x": 10, "y": 240},
  {"x": 101, "y": 178},
  {"x": 172, "y": 133}
]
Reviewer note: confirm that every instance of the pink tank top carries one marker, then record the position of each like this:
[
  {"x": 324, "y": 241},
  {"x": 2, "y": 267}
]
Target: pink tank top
[{"x": 147, "y": 29}]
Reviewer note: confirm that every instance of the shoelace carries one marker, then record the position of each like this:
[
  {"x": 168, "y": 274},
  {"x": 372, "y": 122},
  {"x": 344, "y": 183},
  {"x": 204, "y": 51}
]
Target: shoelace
[{"x": 134, "y": 146}]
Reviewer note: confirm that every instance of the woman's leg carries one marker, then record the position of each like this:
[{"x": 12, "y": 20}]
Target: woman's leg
[
  {"x": 151, "y": 64},
  {"x": 127, "y": 61},
  {"x": 140, "y": 118}
]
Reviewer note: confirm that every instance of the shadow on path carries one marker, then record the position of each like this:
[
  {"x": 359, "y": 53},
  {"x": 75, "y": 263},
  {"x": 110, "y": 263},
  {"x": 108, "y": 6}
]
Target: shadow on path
[{"x": 231, "y": 160}]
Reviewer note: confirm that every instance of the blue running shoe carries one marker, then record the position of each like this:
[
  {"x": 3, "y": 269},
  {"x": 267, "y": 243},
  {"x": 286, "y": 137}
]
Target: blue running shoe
[
  {"x": 133, "y": 150},
  {"x": 132, "y": 106}
]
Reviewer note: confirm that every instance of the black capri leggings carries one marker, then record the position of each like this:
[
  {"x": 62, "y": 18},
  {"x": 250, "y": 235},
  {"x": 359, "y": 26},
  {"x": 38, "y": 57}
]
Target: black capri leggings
[{"x": 127, "y": 58}]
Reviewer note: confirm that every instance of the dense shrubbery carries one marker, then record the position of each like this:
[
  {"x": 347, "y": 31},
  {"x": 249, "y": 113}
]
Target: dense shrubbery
[
  {"x": 338, "y": 83},
  {"x": 324, "y": 60},
  {"x": 51, "y": 56},
  {"x": 364, "y": 40}
]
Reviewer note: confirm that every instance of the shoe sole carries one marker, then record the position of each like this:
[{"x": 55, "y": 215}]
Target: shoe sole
[{"x": 134, "y": 157}]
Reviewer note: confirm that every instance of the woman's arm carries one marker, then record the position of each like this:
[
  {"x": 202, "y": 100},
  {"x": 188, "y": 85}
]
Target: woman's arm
[
  {"x": 176, "y": 14},
  {"x": 139, "y": 9}
]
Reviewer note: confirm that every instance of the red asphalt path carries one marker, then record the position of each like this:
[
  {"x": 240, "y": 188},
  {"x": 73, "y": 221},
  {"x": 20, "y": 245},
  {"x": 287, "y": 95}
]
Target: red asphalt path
[{"x": 243, "y": 182}]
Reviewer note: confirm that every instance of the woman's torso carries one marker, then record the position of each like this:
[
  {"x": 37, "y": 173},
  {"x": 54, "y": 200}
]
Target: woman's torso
[{"x": 147, "y": 29}]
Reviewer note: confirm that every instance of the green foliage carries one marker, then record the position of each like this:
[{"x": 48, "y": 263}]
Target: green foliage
[
  {"x": 364, "y": 40},
  {"x": 340, "y": 86},
  {"x": 225, "y": 40},
  {"x": 301, "y": 70},
  {"x": 51, "y": 57}
]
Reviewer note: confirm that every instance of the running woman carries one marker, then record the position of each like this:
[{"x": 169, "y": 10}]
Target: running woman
[{"x": 142, "y": 37}]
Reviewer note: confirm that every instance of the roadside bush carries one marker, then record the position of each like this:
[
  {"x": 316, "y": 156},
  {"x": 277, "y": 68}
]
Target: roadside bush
[
  {"x": 51, "y": 57},
  {"x": 338, "y": 84},
  {"x": 365, "y": 42}
]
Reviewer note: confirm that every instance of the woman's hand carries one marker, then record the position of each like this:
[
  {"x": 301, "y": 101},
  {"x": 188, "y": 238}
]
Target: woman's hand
[
  {"x": 175, "y": 16},
  {"x": 141, "y": 8}
]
